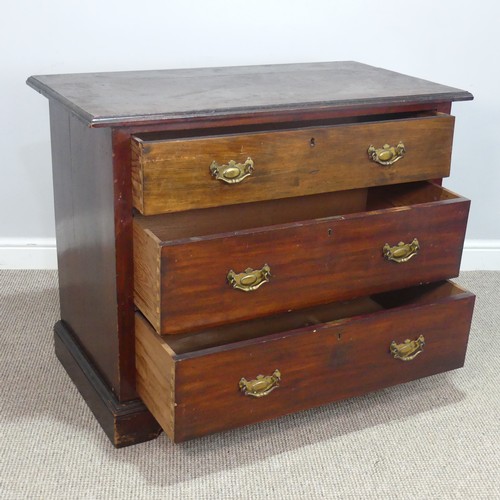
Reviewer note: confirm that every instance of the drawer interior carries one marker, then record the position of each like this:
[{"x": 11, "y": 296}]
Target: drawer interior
[
  {"x": 166, "y": 135},
  {"x": 323, "y": 316},
  {"x": 180, "y": 226}
]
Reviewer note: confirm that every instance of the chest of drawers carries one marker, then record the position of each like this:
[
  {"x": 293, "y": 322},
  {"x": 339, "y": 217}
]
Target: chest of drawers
[{"x": 235, "y": 244}]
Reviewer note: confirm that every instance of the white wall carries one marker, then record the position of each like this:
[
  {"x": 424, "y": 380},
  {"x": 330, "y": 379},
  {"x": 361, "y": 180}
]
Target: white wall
[{"x": 449, "y": 41}]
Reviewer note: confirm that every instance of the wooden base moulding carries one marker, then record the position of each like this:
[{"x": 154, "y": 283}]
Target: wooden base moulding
[{"x": 124, "y": 423}]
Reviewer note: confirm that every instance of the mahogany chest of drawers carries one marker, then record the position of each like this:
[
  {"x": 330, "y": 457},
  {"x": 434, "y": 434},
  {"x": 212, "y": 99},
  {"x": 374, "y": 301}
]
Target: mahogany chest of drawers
[{"x": 235, "y": 244}]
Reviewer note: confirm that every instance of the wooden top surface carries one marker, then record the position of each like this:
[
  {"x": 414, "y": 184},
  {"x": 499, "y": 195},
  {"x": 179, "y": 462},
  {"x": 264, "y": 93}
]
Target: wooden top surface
[{"x": 139, "y": 97}]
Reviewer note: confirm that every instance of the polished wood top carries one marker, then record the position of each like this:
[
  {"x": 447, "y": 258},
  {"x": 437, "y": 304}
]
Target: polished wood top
[{"x": 140, "y": 97}]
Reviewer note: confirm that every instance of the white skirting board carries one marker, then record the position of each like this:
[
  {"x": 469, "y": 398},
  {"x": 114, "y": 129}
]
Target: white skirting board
[
  {"x": 41, "y": 254},
  {"x": 481, "y": 255},
  {"x": 35, "y": 253}
]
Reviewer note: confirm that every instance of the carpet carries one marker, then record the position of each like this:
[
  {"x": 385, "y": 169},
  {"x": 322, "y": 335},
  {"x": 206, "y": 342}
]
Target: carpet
[{"x": 437, "y": 437}]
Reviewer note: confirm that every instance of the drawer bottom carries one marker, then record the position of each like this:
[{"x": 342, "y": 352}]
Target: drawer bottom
[{"x": 236, "y": 375}]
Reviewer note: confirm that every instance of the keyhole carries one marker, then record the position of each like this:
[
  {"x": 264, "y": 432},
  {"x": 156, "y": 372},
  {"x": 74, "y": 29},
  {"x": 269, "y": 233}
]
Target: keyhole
[
  {"x": 330, "y": 232},
  {"x": 312, "y": 142}
]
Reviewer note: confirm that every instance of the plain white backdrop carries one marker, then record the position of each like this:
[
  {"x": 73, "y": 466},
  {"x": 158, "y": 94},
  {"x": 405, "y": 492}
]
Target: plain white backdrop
[{"x": 450, "y": 42}]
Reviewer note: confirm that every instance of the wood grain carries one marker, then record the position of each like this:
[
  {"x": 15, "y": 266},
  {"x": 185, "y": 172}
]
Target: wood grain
[
  {"x": 312, "y": 262},
  {"x": 173, "y": 175},
  {"x": 136, "y": 175},
  {"x": 147, "y": 277},
  {"x": 319, "y": 364},
  {"x": 155, "y": 379}
]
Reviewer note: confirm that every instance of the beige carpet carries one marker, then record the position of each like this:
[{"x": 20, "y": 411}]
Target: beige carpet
[{"x": 434, "y": 438}]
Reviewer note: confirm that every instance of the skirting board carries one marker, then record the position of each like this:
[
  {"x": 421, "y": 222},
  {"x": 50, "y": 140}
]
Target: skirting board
[
  {"x": 35, "y": 253},
  {"x": 40, "y": 253},
  {"x": 481, "y": 255}
]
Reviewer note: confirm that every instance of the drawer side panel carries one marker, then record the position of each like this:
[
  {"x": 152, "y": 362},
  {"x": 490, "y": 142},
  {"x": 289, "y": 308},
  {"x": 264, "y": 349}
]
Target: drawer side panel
[
  {"x": 155, "y": 375},
  {"x": 147, "y": 287}
]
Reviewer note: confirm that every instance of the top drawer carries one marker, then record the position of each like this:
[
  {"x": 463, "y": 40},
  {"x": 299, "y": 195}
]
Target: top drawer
[{"x": 171, "y": 175}]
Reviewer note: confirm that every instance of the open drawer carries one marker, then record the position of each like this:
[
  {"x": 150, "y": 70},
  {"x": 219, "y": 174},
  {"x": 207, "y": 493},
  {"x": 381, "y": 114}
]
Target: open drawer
[
  {"x": 198, "y": 269},
  {"x": 236, "y": 375},
  {"x": 172, "y": 173}
]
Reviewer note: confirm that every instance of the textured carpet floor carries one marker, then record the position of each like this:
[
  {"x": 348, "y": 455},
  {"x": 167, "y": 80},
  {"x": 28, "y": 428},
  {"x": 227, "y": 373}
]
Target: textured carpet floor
[{"x": 434, "y": 438}]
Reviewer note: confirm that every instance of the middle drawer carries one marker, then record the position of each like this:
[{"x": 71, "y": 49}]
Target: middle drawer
[{"x": 192, "y": 269}]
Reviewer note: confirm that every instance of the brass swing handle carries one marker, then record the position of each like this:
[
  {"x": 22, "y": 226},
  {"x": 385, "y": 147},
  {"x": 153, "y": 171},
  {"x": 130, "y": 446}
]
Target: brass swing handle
[
  {"x": 233, "y": 172},
  {"x": 261, "y": 386},
  {"x": 249, "y": 280},
  {"x": 387, "y": 155},
  {"x": 409, "y": 349},
  {"x": 402, "y": 252}
]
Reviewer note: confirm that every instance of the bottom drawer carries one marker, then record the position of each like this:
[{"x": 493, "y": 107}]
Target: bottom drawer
[{"x": 196, "y": 384}]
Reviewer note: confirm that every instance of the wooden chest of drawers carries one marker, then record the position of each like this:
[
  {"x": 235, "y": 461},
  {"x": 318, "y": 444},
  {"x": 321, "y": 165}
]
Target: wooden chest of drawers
[{"x": 235, "y": 244}]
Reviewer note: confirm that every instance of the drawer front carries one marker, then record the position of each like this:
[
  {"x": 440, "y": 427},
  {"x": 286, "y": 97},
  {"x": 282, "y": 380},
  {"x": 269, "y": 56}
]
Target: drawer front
[
  {"x": 202, "y": 392},
  {"x": 296, "y": 265},
  {"x": 183, "y": 174}
]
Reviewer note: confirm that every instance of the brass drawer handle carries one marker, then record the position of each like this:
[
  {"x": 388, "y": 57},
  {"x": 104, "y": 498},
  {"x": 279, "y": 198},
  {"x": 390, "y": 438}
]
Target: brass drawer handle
[
  {"x": 249, "y": 280},
  {"x": 402, "y": 252},
  {"x": 261, "y": 386},
  {"x": 233, "y": 172},
  {"x": 387, "y": 155},
  {"x": 409, "y": 349}
]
